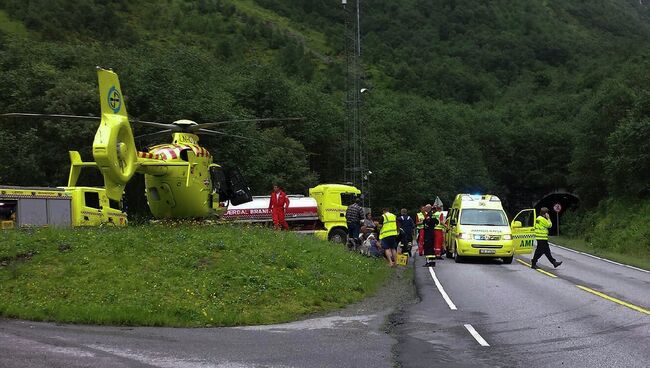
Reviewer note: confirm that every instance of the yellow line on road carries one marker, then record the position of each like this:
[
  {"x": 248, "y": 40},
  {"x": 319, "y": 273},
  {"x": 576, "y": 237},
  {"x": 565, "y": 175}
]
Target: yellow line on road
[
  {"x": 612, "y": 299},
  {"x": 538, "y": 270}
]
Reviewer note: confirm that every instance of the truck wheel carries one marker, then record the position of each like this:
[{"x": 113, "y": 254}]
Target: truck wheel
[
  {"x": 507, "y": 260},
  {"x": 338, "y": 236}
]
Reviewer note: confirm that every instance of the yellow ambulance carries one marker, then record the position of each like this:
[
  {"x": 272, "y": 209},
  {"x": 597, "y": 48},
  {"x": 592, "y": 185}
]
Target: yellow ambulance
[{"x": 477, "y": 226}]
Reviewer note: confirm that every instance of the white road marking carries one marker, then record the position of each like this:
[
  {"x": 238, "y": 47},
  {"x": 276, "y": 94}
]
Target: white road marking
[
  {"x": 476, "y": 335},
  {"x": 36, "y": 347},
  {"x": 602, "y": 259},
  {"x": 160, "y": 360},
  {"x": 451, "y": 304},
  {"x": 324, "y": 323}
]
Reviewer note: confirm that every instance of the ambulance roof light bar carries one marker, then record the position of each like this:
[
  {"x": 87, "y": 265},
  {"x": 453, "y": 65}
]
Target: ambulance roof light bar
[{"x": 479, "y": 197}]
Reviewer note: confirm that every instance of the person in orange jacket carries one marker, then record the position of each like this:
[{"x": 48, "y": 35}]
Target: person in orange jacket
[{"x": 277, "y": 205}]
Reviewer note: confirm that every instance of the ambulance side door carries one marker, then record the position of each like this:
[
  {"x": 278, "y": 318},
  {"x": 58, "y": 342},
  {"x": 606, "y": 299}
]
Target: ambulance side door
[
  {"x": 450, "y": 228},
  {"x": 523, "y": 231}
]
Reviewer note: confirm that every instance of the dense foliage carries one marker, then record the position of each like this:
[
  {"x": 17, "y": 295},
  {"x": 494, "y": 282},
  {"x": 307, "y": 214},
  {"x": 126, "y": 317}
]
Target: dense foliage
[{"x": 514, "y": 98}]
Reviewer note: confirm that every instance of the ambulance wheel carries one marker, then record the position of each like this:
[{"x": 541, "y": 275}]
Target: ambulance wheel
[
  {"x": 338, "y": 236},
  {"x": 457, "y": 258},
  {"x": 507, "y": 260}
]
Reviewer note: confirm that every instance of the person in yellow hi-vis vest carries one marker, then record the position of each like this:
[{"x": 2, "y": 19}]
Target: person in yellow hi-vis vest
[
  {"x": 388, "y": 236},
  {"x": 419, "y": 225},
  {"x": 542, "y": 224}
]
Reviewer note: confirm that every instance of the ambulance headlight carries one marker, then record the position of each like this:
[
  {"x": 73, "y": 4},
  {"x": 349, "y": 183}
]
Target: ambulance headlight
[
  {"x": 464, "y": 236},
  {"x": 507, "y": 237}
]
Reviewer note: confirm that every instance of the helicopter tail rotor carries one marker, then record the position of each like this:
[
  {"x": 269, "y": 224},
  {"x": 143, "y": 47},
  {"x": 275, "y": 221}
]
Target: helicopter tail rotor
[{"x": 114, "y": 148}]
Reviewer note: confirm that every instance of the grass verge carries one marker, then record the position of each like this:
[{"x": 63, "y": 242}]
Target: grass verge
[
  {"x": 183, "y": 275},
  {"x": 640, "y": 261}
]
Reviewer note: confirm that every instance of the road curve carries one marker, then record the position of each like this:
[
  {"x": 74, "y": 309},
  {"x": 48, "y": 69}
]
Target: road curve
[
  {"x": 587, "y": 313},
  {"x": 352, "y": 337},
  {"x": 528, "y": 318}
]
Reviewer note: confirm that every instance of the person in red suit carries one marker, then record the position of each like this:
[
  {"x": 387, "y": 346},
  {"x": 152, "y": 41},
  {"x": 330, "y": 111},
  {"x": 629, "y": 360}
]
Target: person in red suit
[{"x": 277, "y": 205}]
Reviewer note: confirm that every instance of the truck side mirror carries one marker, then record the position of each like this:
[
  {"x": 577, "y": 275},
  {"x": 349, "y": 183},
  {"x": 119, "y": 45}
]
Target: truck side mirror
[{"x": 516, "y": 224}]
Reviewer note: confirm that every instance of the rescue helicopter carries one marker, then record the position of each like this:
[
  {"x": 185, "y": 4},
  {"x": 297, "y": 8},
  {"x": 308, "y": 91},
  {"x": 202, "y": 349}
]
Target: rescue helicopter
[{"x": 181, "y": 179}]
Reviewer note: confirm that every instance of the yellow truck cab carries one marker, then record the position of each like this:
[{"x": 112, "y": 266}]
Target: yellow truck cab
[
  {"x": 477, "y": 226},
  {"x": 92, "y": 207},
  {"x": 58, "y": 207},
  {"x": 332, "y": 201}
]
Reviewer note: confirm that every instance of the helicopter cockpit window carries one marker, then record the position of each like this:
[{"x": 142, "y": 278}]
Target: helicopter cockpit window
[
  {"x": 183, "y": 154},
  {"x": 91, "y": 199}
]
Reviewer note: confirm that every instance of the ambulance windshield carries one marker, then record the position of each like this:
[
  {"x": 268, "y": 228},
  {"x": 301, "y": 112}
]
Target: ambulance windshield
[{"x": 483, "y": 217}]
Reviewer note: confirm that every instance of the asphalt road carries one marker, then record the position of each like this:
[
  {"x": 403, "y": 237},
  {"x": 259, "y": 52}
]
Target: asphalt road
[
  {"x": 528, "y": 318},
  {"x": 524, "y": 318}
]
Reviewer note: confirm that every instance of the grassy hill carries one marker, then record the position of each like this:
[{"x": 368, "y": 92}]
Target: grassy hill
[{"x": 177, "y": 275}]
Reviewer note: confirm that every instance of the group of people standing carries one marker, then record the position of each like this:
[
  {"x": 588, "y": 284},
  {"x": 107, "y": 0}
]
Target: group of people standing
[
  {"x": 430, "y": 227},
  {"x": 392, "y": 235}
]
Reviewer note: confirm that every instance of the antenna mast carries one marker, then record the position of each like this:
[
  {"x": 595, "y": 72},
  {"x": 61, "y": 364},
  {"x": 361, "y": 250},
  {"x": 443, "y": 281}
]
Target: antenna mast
[{"x": 355, "y": 169}]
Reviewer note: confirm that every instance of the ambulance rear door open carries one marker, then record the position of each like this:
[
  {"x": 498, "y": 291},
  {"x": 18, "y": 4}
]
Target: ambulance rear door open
[{"x": 523, "y": 231}]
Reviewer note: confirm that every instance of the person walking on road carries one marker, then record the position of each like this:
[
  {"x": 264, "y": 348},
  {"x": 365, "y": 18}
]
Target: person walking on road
[
  {"x": 277, "y": 205},
  {"x": 542, "y": 224},
  {"x": 388, "y": 236}
]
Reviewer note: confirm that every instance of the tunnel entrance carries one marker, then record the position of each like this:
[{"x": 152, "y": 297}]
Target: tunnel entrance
[{"x": 565, "y": 199}]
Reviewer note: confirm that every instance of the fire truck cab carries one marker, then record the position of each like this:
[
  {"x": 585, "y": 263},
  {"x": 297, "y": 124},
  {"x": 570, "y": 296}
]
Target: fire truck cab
[{"x": 58, "y": 207}]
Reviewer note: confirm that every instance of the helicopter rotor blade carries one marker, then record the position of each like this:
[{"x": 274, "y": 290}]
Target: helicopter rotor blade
[
  {"x": 155, "y": 124},
  {"x": 81, "y": 117},
  {"x": 198, "y": 127},
  {"x": 224, "y": 134},
  {"x": 56, "y": 116},
  {"x": 155, "y": 134}
]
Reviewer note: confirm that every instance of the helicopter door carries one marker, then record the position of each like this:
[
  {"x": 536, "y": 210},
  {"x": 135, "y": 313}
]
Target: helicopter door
[
  {"x": 239, "y": 191},
  {"x": 230, "y": 187},
  {"x": 219, "y": 183}
]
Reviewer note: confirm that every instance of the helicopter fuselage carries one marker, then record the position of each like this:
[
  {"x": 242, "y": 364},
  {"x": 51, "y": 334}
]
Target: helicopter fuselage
[{"x": 170, "y": 192}]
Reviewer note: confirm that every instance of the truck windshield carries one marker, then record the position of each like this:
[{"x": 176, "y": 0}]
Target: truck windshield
[{"x": 483, "y": 217}]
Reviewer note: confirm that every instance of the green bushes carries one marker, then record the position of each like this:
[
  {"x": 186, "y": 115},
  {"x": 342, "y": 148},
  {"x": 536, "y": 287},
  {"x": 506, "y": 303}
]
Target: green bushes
[{"x": 619, "y": 226}]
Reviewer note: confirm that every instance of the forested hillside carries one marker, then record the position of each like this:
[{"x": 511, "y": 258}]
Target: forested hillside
[{"x": 516, "y": 98}]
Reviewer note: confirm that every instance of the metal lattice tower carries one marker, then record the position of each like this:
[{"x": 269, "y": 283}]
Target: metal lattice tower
[{"x": 355, "y": 168}]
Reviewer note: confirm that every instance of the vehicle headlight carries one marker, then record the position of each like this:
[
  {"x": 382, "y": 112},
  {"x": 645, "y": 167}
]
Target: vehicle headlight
[
  {"x": 464, "y": 236},
  {"x": 507, "y": 237}
]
